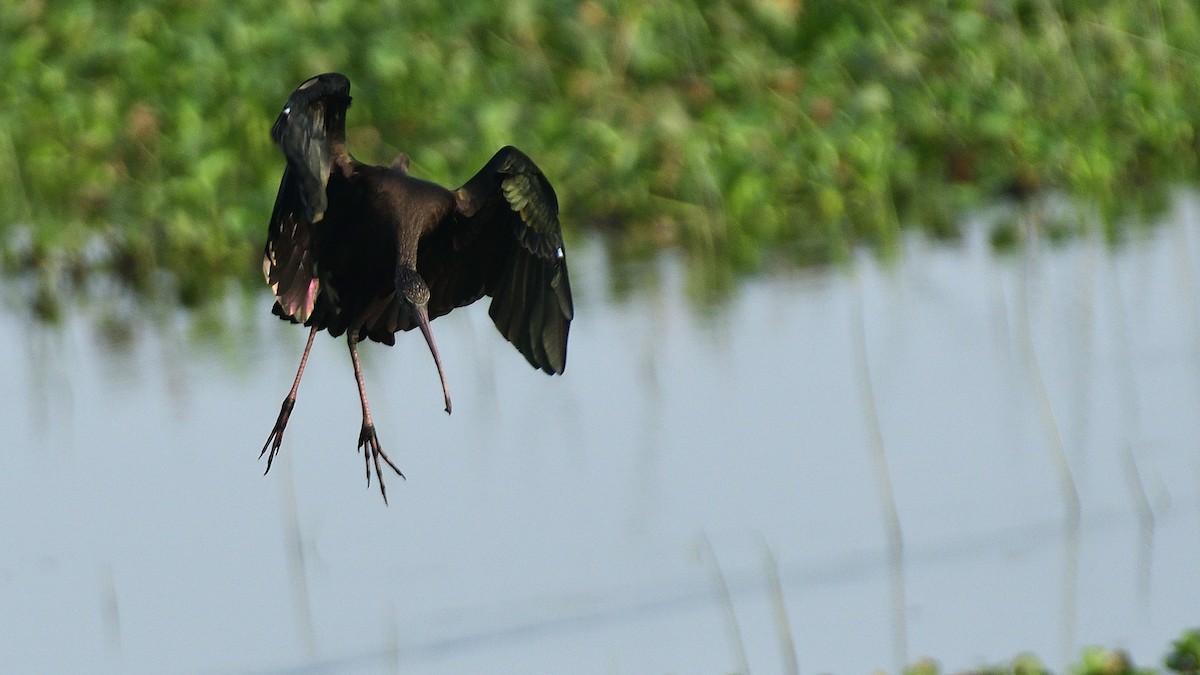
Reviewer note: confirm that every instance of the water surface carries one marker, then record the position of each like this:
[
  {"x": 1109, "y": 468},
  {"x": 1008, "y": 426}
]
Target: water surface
[{"x": 701, "y": 492}]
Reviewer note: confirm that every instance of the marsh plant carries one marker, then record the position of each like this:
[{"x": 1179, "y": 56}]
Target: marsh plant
[{"x": 134, "y": 135}]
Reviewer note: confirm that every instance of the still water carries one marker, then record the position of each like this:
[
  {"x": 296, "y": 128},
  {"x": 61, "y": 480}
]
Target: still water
[{"x": 956, "y": 454}]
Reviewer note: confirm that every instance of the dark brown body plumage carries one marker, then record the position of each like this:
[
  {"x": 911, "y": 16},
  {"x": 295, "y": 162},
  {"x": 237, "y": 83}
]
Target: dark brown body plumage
[
  {"x": 382, "y": 216},
  {"x": 368, "y": 251}
]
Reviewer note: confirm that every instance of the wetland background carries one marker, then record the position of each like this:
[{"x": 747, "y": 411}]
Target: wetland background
[{"x": 887, "y": 340}]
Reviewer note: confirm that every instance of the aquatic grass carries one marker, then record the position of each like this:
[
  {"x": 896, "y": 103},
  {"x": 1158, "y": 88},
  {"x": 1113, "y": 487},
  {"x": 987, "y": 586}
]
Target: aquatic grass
[
  {"x": 1185, "y": 653},
  {"x": 742, "y": 134},
  {"x": 1184, "y": 657}
]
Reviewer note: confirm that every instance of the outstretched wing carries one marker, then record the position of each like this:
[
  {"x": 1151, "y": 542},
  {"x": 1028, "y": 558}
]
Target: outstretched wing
[
  {"x": 504, "y": 240},
  {"x": 310, "y": 131}
]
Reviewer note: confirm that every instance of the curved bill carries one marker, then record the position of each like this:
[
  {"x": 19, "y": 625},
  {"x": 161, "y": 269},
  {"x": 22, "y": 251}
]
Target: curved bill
[{"x": 423, "y": 322}]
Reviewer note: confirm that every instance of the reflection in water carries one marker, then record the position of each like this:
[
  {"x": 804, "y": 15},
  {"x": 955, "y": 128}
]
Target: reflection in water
[
  {"x": 297, "y": 562},
  {"x": 883, "y": 480},
  {"x": 1130, "y": 424},
  {"x": 783, "y": 626},
  {"x": 112, "y": 609},
  {"x": 736, "y": 643},
  {"x": 551, "y": 525},
  {"x": 1054, "y": 441},
  {"x": 1024, "y": 336}
]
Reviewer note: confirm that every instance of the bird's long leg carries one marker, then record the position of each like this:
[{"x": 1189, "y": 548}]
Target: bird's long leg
[
  {"x": 367, "y": 440},
  {"x": 276, "y": 437}
]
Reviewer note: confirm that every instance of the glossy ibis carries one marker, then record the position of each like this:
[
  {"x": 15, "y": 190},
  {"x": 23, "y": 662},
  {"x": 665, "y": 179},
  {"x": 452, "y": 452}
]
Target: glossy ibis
[{"x": 370, "y": 250}]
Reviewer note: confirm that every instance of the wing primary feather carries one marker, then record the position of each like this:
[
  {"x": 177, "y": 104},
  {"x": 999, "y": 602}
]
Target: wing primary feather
[
  {"x": 517, "y": 299},
  {"x": 507, "y": 225},
  {"x": 536, "y": 315},
  {"x": 551, "y": 333},
  {"x": 562, "y": 290}
]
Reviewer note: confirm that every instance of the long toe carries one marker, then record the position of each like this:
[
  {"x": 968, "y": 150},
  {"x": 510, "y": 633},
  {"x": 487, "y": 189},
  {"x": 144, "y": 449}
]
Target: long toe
[
  {"x": 275, "y": 440},
  {"x": 389, "y": 462},
  {"x": 366, "y": 438},
  {"x": 368, "y": 442}
]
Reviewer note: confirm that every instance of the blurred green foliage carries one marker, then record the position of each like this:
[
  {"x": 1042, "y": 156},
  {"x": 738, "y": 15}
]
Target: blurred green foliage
[
  {"x": 1184, "y": 657},
  {"x": 134, "y": 134},
  {"x": 1185, "y": 653}
]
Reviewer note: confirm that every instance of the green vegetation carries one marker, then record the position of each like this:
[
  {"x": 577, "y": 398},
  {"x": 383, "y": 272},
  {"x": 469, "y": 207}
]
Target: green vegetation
[
  {"x": 1183, "y": 658},
  {"x": 134, "y": 134},
  {"x": 1185, "y": 654}
]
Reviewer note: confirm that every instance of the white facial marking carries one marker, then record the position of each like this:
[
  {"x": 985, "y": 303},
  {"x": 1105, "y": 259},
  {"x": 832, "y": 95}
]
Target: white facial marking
[
  {"x": 287, "y": 110},
  {"x": 559, "y": 252}
]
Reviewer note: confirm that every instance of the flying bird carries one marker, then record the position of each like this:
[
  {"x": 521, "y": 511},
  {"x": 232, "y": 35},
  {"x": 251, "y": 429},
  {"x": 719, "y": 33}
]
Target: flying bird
[{"x": 368, "y": 251}]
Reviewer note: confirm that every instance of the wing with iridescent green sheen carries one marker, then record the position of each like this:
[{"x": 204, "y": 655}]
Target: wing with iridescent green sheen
[{"x": 505, "y": 240}]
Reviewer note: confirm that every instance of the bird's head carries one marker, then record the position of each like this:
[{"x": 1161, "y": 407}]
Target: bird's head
[
  {"x": 414, "y": 299},
  {"x": 411, "y": 288}
]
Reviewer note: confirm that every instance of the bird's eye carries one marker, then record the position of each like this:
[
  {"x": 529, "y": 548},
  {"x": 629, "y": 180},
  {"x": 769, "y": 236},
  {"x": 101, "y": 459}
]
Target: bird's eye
[
  {"x": 287, "y": 110},
  {"x": 559, "y": 252}
]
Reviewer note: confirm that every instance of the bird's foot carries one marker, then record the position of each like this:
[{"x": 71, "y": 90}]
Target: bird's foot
[
  {"x": 276, "y": 437},
  {"x": 368, "y": 442}
]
